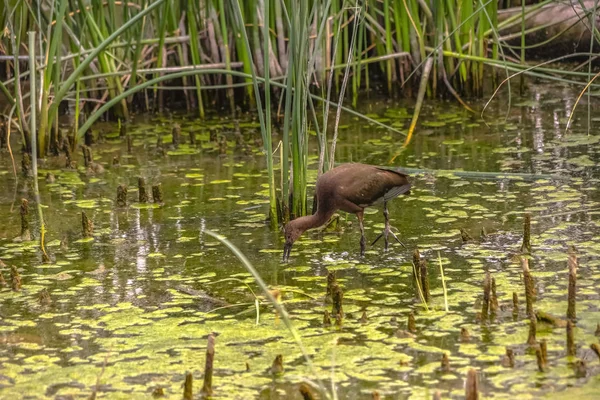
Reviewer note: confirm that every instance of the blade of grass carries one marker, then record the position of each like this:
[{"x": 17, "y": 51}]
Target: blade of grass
[
  {"x": 443, "y": 282},
  {"x": 419, "y": 290}
]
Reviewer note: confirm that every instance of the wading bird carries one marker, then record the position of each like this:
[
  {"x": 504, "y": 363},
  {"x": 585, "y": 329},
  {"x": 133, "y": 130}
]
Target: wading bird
[{"x": 350, "y": 188}]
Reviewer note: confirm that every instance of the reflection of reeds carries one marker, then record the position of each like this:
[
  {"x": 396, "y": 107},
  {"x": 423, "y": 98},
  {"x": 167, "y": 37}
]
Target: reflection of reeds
[{"x": 208, "y": 366}]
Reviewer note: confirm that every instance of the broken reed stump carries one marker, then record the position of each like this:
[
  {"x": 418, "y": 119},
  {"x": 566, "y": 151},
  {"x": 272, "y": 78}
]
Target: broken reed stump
[
  {"x": 597, "y": 333},
  {"x": 464, "y": 235},
  {"x": 336, "y": 297},
  {"x": 487, "y": 289},
  {"x": 87, "y": 226},
  {"x": 531, "y": 338},
  {"x": 26, "y": 165},
  {"x": 87, "y": 156},
  {"x": 326, "y": 318},
  {"x": 540, "y": 360},
  {"x": 25, "y": 233},
  {"x": 129, "y": 140},
  {"x": 363, "y": 317},
  {"x": 471, "y": 386},
  {"x": 54, "y": 141},
  {"x": 44, "y": 297},
  {"x": 465, "y": 336},
  {"x": 306, "y": 392},
  {"x": 508, "y": 361},
  {"x": 424, "y": 280},
  {"x": 331, "y": 282},
  {"x": 68, "y": 157},
  {"x": 338, "y": 320},
  {"x": 142, "y": 195},
  {"x": 122, "y": 129},
  {"x": 2, "y": 280},
  {"x": 192, "y": 138},
  {"x": 176, "y": 133},
  {"x": 277, "y": 366},
  {"x": 122, "y": 196},
  {"x": 529, "y": 287},
  {"x": 596, "y": 349},
  {"x": 445, "y": 363},
  {"x": 493, "y": 299},
  {"x": 188, "y": 390},
  {"x": 572, "y": 291},
  {"x": 416, "y": 265},
  {"x": 571, "y": 348},
  {"x": 515, "y": 300},
  {"x": 544, "y": 350},
  {"x": 157, "y": 193},
  {"x": 529, "y": 295},
  {"x": 15, "y": 279},
  {"x": 526, "y": 246},
  {"x": 208, "y": 366},
  {"x": 411, "y": 324},
  {"x": 88, "y": 138}
]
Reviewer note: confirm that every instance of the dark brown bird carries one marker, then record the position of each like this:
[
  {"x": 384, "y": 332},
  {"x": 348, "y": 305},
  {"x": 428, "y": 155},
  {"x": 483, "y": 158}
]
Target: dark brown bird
[{"x": 350, "y": 188}]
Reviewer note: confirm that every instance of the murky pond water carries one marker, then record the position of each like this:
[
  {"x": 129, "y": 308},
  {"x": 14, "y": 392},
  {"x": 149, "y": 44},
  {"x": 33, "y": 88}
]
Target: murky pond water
[{"x": 131, "y": 309}]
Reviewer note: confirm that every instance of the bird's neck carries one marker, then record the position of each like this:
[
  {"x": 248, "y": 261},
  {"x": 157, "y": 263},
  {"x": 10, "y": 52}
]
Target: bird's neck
[{"x": 313, "y": 221}]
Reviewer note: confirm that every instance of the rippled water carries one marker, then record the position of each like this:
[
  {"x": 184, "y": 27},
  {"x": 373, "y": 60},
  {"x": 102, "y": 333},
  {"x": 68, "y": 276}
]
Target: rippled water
[{"x": 131, "y": 309}]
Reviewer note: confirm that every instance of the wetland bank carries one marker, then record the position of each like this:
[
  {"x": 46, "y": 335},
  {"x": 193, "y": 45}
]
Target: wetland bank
[{"x": 130, "y": 307}]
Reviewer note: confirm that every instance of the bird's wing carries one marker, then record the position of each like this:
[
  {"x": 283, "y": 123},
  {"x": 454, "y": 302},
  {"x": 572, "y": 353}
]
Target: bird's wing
[
  {"x": 379, "y": 188},
  {"x": 395, "y": 192}
]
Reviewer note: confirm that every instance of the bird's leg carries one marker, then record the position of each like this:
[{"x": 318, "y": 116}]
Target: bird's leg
[
  {"x": 363, "y": 240},
  {"x": 387, "y": 230}
]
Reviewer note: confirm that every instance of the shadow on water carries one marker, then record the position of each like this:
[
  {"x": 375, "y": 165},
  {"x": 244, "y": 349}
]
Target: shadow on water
[{"x": 131, "y": 308}]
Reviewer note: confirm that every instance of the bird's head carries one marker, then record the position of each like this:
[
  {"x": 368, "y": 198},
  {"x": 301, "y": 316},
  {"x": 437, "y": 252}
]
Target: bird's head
[{"x": 291, "y": 233}]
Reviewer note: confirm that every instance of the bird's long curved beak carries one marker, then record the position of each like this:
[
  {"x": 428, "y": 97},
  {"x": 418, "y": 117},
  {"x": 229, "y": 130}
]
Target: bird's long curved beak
[{"x": 287, "y": 249}]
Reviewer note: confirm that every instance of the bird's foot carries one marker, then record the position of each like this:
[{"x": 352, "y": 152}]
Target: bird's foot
[{"x": 387, "y": 231}]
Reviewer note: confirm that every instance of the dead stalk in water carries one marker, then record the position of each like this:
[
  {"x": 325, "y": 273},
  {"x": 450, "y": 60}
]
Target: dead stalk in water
[{"x": 572, "y": 291}]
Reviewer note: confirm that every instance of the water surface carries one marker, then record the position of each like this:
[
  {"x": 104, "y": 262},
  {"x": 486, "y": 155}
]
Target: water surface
[{"x": 132, "y": 308}]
